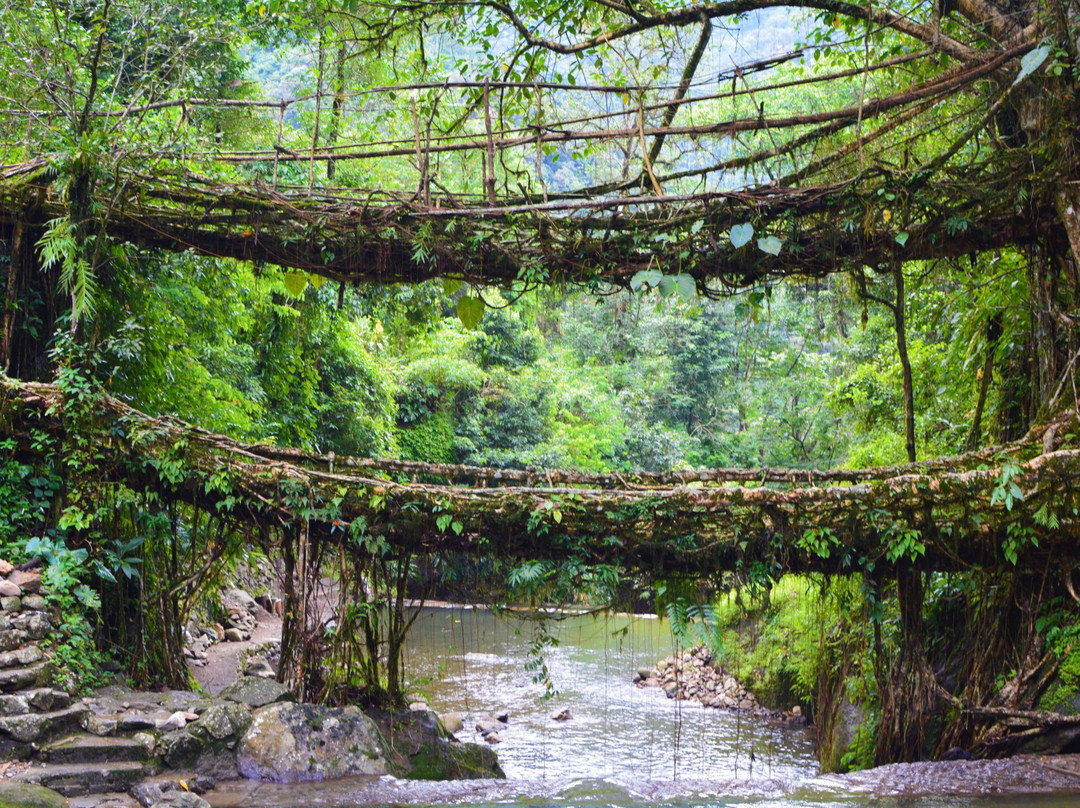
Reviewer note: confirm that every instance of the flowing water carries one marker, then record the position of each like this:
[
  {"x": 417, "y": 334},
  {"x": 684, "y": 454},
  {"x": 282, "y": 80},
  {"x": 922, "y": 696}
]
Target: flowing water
[
  {"x": 478, "y": 664},
  {"x": 626, "y": 746}
]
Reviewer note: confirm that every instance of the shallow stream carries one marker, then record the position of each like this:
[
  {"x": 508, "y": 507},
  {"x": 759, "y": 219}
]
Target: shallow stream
[{"x": 627, "y": 746}]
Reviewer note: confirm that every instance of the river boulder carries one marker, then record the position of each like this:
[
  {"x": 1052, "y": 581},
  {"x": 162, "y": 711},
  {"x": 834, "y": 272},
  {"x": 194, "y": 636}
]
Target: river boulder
[
  {"x": 26, "y": 795},
  {"x": 181, "y": 799},
  {"x": 256, "y": 691},
  {"x": 294, "y": 743}
]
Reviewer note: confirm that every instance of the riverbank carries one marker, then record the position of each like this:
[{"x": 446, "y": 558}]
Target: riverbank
[{"x": 121, "y": 746}]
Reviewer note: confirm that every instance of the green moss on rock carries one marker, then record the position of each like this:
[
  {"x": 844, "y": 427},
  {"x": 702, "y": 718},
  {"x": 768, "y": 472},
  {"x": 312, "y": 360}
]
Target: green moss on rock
[{"x": 440, "y": 760}]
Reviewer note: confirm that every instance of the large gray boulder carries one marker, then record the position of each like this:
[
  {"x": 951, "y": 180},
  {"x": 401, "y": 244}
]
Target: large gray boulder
[
  {"x": 257, "y": 692},
  {"x": 239, "y": 599},
  {"x": 206, "y": 746},
  {"x": 293, "y": 743}
]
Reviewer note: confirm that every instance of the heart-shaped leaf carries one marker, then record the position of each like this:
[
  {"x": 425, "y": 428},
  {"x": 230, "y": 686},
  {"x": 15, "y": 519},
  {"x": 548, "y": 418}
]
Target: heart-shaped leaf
[
  {"x": 317, "y": 280},
  {"x": 646, "y": 277},
  {"x": 741, "y": 234},
  {"x": 770, "y": 245},
  {"x": 469, "y": 311},
  {"x": 667, "y": 286},
  {"x": 295, "y": 283},
  {"x": 1031, "y": 62},
  {"x": 686, "y": 286},
  {"x": 901, "y": 238}
]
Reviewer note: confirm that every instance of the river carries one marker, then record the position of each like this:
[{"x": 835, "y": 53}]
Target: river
[{"x": 625, "y": 746}]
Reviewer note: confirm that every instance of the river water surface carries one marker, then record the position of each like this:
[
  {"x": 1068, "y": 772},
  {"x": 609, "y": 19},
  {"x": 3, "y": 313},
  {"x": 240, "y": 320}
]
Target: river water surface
[{"x": 627, "y": 746}]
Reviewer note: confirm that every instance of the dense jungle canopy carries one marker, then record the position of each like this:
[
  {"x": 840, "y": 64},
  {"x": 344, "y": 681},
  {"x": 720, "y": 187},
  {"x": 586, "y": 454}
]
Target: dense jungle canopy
[{"x": 530, "y": 253}]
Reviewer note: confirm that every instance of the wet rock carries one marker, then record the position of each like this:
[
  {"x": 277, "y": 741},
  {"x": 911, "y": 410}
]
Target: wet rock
[
  {"x": 13, "y": 704},
  {"x": 292, "y": 743},
  {"x": 28, "y": 581},
  {"x": 35, "y": 727},
  {"x": 23, "y": 656},
  {"x": 453, "y": 722},
  {"x": 45, "y": 699},
  {"x": 259, "y": 668},
  {"x": 419, "y": 707},
  {"x": 37, "y": 626},
  {"x": 22, "y": 678},
  {"x": 561, "y": 715},
  {"x": 439, "y": 760},
  {"x": 147, "y": 793},
  {"x": 99, "y": 725},
  {"x": 177, "y": 720},
  {"x": 26, "y": 795},
  {"x": 222, "y": 722},
  {"x": 487, "y": 723},
  {"x": 181, "y": 799},
  {"x": 181, "y": 749},
  {"x": 146, "y": 740},
  {"x": 134, "y": 722},
  {"x": 257, "y": 692},
  {"x": 493, "y": 738},
  {"x": 9, "y": 590}
]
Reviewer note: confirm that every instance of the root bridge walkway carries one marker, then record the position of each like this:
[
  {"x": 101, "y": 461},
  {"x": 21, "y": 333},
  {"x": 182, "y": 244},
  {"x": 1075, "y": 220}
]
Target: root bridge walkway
[{"x": 1011, "y": 505}]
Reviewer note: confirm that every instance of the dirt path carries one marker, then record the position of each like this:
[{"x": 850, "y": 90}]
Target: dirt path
[{"x": 223, "y": 658}]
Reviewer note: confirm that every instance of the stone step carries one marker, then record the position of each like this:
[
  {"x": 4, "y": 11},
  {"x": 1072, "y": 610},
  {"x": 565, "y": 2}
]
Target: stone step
[
  {"x": 39, "y": 727},
  {"x": 22, "y": 657},
  {"x": 86, "y": 778},
  {"x": 13, "y": 679},
  {"x": 84, "y": 748},
  {"x": 38, "y": 700}
]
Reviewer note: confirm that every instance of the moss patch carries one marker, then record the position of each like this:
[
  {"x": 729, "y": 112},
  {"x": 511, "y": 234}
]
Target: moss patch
[{"x": 1062, "y": 693}]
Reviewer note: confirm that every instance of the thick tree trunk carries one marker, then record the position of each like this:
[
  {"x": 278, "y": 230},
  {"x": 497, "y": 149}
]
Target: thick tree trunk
[{"x": 909, "y": 701}]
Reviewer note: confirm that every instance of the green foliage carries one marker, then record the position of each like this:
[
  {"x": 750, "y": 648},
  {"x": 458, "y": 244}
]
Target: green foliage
[
  {"x": 777, "y": 641},
  {"x": 75, "y": 659},
  {"x": 1006, "y": 491},
  {"x": 903, "y": 543},
  {"x": 819, "y": 541},
  {"x": 430, "y": 440},
  {"x": 60, "y": 245}
]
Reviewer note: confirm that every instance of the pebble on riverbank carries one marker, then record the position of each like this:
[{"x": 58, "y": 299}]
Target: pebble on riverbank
[{"x": 696, "y": 676}]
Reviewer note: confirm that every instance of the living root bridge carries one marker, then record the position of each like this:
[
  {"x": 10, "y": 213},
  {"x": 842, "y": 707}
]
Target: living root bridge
[{"x": 953, "y": 514}]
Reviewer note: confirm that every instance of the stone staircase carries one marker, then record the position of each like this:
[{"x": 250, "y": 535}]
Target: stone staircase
[
  {"x": 43, "y": 725},
  {"x": 87, "y": 764}
]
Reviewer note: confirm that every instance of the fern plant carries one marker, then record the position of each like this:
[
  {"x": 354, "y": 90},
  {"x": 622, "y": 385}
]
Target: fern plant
[{"x": 60, "y": 245}]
